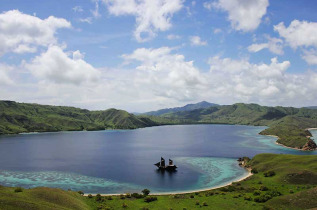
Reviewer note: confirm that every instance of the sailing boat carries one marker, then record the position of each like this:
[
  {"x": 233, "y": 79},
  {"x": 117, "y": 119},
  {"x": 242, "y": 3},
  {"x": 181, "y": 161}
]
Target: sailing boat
[{"x": 161, "y": 165}]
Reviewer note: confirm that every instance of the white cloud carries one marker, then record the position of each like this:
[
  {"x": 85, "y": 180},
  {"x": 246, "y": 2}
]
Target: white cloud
[
  {"x": 244, "y": 15},
  {"x": 77, "y": 9},
  {"x": 86, "y": 20},
  {"x": 151, "y": 15},
  {"x": 217, "y": 30},
  {"x": 54, "y": 65},
  {"x": 4, "y": 76},
  {"x": 173, "y": 36},
  {"x": 310, "y": 56},
  {"x": 298, "y": 33},
  {"x": 21, "y": 33},
  {"x": 166, "y": 74},
  {"x": 196, "y": 41},
  {"x": 274, "y": 45}
]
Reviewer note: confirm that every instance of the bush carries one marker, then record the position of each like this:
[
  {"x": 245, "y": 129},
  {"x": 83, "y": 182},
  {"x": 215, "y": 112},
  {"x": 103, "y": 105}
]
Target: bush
[
  {"x": 136, "y": 195},
  {"x": 80, "y": 192},
  {"x": 90, "y": 196},
  {"x": 264, "y": 188},
  {"x": 262, "y": 198},
  {"x": 247, "y": 198},
  {"x": 124, "y": 205},
  {"x": 146, "y": 192},
  {"x": 197, "y": 203},
  {"x": 257, "y": 192},
  {"x": 109, "y": 198},
  {"x": 98, "y": 197},
  {"x": 254, "y": 171},
  {"x": 150, "y": 199},
  {"x": 18, "y": 189},
  {"x": 269, "y": 173},
  {"x": 291, "y": 191},
  {"x": 128, "y": 195},
  {"x": 122, "y": 196},
  {"x": 274, "y": 193},
  {"x": 192, "y": 196},
  {"x": 205, "y": 204}
]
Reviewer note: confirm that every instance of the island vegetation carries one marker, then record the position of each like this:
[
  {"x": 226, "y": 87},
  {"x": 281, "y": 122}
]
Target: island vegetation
[
  {"x": 287, "y": 123},
  {"x": 278, "y": 182}
]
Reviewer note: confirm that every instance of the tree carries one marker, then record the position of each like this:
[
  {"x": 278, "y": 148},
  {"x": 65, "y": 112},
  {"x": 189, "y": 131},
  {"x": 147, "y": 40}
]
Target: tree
[{"x": 146, "y": 192}]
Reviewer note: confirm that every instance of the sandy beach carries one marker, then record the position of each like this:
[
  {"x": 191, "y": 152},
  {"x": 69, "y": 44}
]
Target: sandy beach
[{"x": 186, "y": 192}]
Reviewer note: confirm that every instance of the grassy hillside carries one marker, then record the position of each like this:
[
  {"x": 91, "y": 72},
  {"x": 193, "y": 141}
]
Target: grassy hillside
[
  {"x": 290, "y": 184},
  {"x": 21, "y": 117},
  {"x": 287, "y": 123},
  {"x": 41, "y": 198}
]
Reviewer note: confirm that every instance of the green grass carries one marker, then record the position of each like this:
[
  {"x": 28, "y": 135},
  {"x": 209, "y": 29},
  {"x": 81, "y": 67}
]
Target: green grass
[
  {"x": 41, "y": 198},
  {"x": 292, "y": 187}
]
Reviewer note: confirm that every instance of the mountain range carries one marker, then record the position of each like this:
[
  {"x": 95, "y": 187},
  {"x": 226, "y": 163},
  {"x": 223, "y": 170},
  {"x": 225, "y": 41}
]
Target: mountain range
[{"x": 288, "y": 123}]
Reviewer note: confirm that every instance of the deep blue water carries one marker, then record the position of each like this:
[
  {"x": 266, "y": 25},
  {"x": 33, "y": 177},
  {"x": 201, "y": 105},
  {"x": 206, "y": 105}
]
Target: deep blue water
[{"x": 122, "y": 161}]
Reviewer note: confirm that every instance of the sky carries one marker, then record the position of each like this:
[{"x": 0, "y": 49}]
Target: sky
[{"x": 143, "y": 55}]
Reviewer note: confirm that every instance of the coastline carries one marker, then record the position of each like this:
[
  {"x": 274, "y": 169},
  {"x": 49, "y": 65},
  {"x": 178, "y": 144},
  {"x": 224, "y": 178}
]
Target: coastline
[
  {"x": 287, "y": 146},
  {"x": 249, "y": 174}
]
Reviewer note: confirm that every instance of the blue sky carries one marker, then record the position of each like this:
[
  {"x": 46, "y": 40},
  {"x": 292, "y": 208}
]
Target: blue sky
[{"x": 141, "y": 55}]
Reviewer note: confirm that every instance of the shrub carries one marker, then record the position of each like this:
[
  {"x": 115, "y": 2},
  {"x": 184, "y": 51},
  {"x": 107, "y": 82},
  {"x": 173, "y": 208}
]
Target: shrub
[
  {"x": 262, "y": 198},
  {"x": 196, "y": 193},
  {"x": 197, "y": 203},
  {"x": 98, "y": 197},
  {"x": 122, "y": 196},
  {"x": 90, "y": 196},
  {"x": 269, "y": 173},
  {"x": 274, "y": 193},
  {"x": 18, "y": 189},
  {"x": 256, "y": 192},
  {"x": 254, "y": 171},
  {"x": 146, "y": 192},
  {"x": 80, "y": 192},
  {"x": 137, "y": 195},
  {"x": 109, "y": 198},
  {"x": 192, "y": 196},
  {"x": 247, "y": 198},
  {"x": 124, "y": 205},
  {"x": 291, "y": 191},
  {"x": 264, "y": 188},
  {"x": 150, "y": 199},
  {"x": 128, "y": 195},
  {"x": 205, "y": 204}
]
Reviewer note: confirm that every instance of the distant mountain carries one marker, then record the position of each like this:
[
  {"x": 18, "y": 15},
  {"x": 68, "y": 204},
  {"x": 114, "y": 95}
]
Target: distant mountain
[
  {"x": 188, "y": 107},
  {"x": 310, "y": 107}
]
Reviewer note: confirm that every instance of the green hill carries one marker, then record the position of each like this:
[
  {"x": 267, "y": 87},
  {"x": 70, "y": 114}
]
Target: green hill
[
  {"x": 287, "y": 123},
  {"x": 21, "y": 117}
]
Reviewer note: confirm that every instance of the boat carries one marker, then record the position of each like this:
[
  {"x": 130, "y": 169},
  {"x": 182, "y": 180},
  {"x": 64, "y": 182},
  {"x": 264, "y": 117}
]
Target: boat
[{"x": 161, "y": 165}]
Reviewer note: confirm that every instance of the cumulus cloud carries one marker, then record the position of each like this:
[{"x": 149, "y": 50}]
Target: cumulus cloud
[
  {"x": 151, "y": 15},
  {"x": 274, "y": 45},
  {"x": 22, "y": 33},
  {"x": 244, "y": 15},
  {"x": 4, "y": 75},
  {"x": 54, "y": 65},
  {"x": 310, "y": 56},
  {"x": 196, "y": 41},
  {"x": 166, "y": 74},
  {"x": 298, "y": 33}
]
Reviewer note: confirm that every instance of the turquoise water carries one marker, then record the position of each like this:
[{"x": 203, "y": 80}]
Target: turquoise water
[{"x": 122, "y": 161}]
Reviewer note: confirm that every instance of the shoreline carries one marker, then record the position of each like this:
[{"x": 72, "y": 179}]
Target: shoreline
[
  {"x": 287, "y": 146},
  {"x": 249, "y": 174}
]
